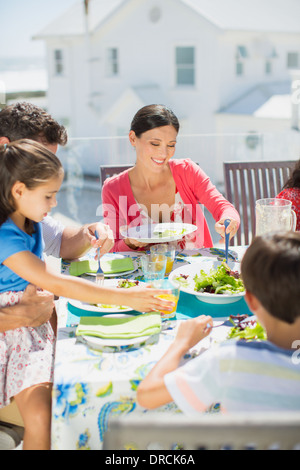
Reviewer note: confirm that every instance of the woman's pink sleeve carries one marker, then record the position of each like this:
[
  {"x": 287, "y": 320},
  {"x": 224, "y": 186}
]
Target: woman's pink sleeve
[{"x": 208, "y": 195}]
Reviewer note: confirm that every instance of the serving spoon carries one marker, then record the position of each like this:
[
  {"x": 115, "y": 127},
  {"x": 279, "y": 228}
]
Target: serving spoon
[{"x": 226, "y": 223}]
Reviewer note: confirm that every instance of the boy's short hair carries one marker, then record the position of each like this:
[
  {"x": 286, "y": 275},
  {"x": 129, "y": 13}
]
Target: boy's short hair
[
  {"x": 271, "y": 272},
  {"x": 28, "y": 121}
]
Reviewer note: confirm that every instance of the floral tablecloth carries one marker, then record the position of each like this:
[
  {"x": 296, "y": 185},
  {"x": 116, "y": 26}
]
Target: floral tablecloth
[{"x": 91, "y": 385}]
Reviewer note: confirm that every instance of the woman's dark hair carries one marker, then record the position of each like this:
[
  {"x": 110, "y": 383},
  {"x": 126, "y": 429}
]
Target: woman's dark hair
[
  {"x": 271, "y": 272},
  {"x": 294, "y": 180},
  {"x": 28, "y": 121},
  {"x": 30, "y": 163},
  {"x": 152, "y": 116}
]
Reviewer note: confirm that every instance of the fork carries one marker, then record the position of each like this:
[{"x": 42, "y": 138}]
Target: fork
[
  {"x": 231, "y": 321},
  {"x": 227, "y": 322},
  {"x": 99, "y": 273}
]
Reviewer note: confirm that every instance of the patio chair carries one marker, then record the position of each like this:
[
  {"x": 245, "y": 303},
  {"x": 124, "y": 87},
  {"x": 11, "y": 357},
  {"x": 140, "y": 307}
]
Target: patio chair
[
  {"x": 106, "y": 171},
  {"x": 215, "y": 431},
  {"x": 245, "y": 182}
]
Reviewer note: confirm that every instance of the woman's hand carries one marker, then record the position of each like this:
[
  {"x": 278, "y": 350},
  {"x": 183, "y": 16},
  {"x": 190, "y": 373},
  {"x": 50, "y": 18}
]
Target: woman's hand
[
  {"x": 134, "y": 244},
  {"x": 231, "y": 229}
]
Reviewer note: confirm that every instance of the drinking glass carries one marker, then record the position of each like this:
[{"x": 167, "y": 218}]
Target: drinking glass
[
  {"x": 166, "y": 249},
  {"x": 153, "y": 270},
  {"x": 174, "y": 287}
]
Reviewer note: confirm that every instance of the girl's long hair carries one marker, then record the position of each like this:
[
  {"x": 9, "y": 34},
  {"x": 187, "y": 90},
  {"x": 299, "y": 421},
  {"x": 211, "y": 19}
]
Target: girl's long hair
[{"x": 30, "y": 163}]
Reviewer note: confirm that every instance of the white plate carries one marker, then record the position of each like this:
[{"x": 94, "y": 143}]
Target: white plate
[
  {"x": 154, "y": 233},
  {"x": 206, "y": 264},
  {"x": 95, "y": 343},
  {"x": 86, "y": 307},
  {"x": 121, "y": 273}
]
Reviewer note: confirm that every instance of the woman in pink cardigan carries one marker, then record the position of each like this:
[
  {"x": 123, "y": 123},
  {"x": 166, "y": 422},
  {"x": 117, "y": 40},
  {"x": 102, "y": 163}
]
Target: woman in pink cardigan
[
  {"x": 158, "y": 189},
  {"x": 291, "y": 192}
]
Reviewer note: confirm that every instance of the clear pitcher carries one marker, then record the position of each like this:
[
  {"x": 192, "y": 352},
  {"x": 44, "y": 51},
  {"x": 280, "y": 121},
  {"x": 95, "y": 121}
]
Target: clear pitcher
[{"x": 274, "y": 215}]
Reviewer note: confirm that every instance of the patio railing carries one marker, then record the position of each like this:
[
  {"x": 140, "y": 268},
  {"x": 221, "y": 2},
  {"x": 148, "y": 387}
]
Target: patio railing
[{"x": 80, "y": 195}]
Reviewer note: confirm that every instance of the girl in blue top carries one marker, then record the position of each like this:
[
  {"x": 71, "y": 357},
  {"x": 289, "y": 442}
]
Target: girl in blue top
[{"x": 30, "y": 177}]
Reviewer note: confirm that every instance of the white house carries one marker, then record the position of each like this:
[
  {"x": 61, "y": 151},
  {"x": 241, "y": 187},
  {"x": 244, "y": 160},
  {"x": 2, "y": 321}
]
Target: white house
[{"x": 222, "y": 65}]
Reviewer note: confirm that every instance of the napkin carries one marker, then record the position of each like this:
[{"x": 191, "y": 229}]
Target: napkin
[
  {"x": 110, "y": 266},
  {"x": 120, "y": 327}
]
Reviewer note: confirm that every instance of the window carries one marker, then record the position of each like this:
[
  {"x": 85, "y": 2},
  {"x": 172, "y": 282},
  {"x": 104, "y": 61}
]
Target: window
[
  {"x": 241, "y": 52},
  {"x": 273, "y": 53},
  {"x": 112, "y": 61},
  {"x": 268, "y": 67},
  {"x": 293, "y": 60},
  {"x": 239, "y": 68},
  {"x": 58, "y": 62},
  {"x": 185, "y": 65},
  {"x": 240, "y": 56}
]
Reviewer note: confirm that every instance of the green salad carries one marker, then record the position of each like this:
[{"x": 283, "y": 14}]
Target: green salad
[
  {"x": 248, "y": 329},
  {"x": 221, "y": 280},
  {"x": 126, "y": 283},
  {"x": 170, "y": 233}
]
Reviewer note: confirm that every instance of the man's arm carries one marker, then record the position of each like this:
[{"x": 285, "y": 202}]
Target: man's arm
[
  {"x": 73, "y": 242},
  {"x": 152, "y": 391},
  {"x": 33, "y": 310},
  {"x": 76, "y": 242}
]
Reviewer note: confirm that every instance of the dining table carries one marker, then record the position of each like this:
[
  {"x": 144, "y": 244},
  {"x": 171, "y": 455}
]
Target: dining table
[{"x": 93, "y": 384}]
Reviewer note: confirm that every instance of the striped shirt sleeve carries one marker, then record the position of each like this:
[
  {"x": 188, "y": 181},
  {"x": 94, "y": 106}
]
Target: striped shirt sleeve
[{"x": 52, "y": 234}]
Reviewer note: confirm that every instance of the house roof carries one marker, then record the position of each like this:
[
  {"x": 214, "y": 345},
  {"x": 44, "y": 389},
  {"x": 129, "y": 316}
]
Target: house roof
[
  {"x": 250, "y": 15},
  {"x": 236, "y": 15},
  {"x": 131, "y": 99},
  {"x": 72, "y": 22},
  {"x": 269, "y": 100}
]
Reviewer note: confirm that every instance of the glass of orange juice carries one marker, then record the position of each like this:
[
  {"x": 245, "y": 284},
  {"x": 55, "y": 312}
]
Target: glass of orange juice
[
  {"x": 173, "y": 289},
  {"x": 166, "y": 249}
]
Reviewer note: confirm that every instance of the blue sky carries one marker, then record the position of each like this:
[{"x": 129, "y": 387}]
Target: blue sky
[{"x": 22, "y": 19}]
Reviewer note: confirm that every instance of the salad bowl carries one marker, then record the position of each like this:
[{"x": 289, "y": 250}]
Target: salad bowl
[{"x": 211, "y": 281}]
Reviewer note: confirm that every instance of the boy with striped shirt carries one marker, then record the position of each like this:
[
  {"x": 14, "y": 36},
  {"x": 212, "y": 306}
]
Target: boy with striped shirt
[{"x": 241, "y": 375}]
